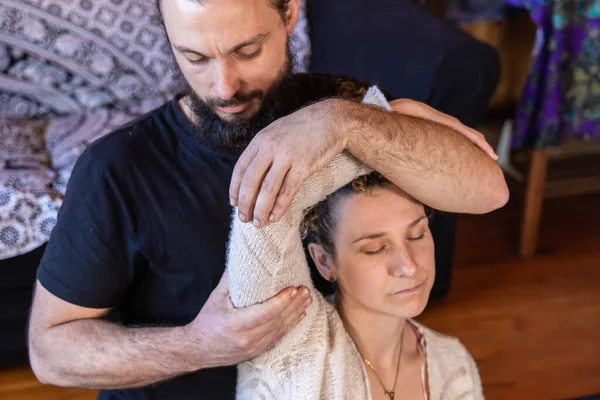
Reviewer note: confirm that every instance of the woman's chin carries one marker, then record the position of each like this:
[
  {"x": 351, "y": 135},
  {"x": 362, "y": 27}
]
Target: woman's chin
[{"x": 405, "y": 307}]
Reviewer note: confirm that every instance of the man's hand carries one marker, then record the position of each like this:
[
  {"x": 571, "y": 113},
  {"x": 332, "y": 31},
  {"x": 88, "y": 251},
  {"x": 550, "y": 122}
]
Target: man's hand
[
  {"x": 421, "y": 110},
  {"x": 280, "y": 159},
  {"x": 230, "y": 336}
]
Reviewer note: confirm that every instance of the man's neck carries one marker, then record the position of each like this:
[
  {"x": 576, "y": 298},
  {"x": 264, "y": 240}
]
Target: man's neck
[{"x": 378, "y": 337}]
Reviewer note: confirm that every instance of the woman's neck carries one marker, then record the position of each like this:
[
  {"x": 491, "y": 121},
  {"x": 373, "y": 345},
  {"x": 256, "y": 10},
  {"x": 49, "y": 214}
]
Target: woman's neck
[{"x": 378, "y": 337}]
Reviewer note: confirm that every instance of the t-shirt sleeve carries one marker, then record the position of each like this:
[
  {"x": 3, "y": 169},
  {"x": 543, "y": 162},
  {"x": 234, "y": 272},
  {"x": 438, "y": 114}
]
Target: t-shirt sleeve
[{"x": 89, "y": 258}]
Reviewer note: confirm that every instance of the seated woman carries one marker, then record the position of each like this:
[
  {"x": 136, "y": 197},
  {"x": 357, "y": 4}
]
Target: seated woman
[{"x": 373, "y": 240}]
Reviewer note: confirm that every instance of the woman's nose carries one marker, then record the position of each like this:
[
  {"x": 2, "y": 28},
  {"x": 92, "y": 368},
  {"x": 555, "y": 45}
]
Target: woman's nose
[{"x": 403, "y": 265}]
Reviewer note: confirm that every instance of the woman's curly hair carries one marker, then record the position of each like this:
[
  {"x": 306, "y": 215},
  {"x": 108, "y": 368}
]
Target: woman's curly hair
[{"x": 319, "y": 221}]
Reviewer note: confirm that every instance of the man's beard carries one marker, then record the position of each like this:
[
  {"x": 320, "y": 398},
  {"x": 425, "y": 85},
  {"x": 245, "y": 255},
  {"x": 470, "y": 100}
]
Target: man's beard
[{"x": 221, "y": 135}]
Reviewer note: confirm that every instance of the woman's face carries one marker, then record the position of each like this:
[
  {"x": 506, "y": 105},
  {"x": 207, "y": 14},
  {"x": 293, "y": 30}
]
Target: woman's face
[{"x": 384, "y": 253}]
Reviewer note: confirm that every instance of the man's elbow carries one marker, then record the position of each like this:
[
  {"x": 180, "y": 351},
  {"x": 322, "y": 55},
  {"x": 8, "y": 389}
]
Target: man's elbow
[
  {"x": 40, "y": 371},
  {"x": 503, "y": 194},
  {"x": 499, "y": 198},
  {"x": 42, "y": 376},
  {"x": 41, "y": 367},
  {"x": 498, "y": 195}
]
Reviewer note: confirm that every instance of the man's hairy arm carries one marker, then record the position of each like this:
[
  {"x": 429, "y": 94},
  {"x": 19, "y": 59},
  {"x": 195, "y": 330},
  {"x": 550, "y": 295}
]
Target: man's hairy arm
[
  {"x": 432, "y": 162},
  {"x": 73, "y": 346}
]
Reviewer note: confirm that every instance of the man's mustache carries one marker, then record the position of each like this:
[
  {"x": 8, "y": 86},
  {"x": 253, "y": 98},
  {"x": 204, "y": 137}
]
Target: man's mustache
[{"x": 235, "y": 100}]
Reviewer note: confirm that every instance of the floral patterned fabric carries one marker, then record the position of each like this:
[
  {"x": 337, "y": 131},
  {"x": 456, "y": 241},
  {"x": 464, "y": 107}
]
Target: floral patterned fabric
[
  {"x": 28, "y": 205},
  {"x": 561, "y": 98},
  {"x": 59, "y": 57}
]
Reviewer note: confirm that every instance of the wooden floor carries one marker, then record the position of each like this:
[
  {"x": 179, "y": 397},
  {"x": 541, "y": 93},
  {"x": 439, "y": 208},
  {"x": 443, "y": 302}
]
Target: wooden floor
[{"x": 533, "y": 326}]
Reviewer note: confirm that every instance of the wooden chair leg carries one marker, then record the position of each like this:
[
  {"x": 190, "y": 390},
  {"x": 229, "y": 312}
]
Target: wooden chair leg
[{"x": 532, "y": 210}]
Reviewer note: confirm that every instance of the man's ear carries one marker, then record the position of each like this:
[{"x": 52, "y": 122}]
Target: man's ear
[
  {"x": 323, "y": 261},
  {"x": 291, "y": 15}
]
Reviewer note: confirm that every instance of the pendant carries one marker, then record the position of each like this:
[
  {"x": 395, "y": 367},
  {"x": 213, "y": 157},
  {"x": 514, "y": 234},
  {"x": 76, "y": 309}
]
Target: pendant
[{"x": 390, "y": 395}]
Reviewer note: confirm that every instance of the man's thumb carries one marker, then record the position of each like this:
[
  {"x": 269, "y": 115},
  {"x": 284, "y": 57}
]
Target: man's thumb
[{"x": 222, "y": 289}]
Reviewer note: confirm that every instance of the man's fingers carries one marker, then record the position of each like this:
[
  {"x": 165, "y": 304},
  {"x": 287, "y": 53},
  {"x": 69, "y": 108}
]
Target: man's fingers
[
  {"x": 474, "y": 136},
  {"x": 269, "y": 190},
  {"x": 287, "y": 316},
  {"x": 250, "y": 185},
  {"x": 482, "y": 143},
  {"x": 222, "y": 289},
  {"x": 271, "y": 339},
  {"x": 477, "y": 139},
  {"x": 421, "y": 110},
  {"x": 298, "y": 306},
  {"x": 293, "y": 317},
  {"x": 261, "y": 314},
  {"x": 239, "y": 171},
  {"x": 292, "y": 182}
]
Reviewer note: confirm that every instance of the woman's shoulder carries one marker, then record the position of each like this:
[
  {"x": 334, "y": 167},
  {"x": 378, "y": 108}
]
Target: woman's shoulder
[
  {"x": 450, "y": 365},
  {"x": 442, "y": 344}
]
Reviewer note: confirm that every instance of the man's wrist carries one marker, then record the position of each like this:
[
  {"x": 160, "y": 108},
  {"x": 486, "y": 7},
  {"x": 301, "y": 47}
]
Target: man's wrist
[
  {"x": 343, "y": 119},
  {"x": 190, "y": 351}
]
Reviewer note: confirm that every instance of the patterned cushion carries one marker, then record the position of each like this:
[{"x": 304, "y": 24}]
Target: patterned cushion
[
  {"x": 65, "y": 56},
  {"x": 70, "y": 56},
  {"x": 28, "y": 205}
]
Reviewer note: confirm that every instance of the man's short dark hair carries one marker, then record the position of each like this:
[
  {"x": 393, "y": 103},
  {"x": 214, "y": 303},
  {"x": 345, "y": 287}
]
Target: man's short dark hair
[{"x": 280, "y": 5}]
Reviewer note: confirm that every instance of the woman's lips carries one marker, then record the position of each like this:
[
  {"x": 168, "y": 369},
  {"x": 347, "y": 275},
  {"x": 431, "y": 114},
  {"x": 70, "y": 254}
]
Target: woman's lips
[{"x": 408, "y": 292}]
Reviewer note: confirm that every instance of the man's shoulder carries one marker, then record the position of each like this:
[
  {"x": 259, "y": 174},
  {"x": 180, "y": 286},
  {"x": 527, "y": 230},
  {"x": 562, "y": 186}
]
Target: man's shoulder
[{"x": 133, "y": 140}]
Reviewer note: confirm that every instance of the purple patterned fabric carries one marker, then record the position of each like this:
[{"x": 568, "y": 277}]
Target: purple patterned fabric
[{"x": 561, "y": 97}]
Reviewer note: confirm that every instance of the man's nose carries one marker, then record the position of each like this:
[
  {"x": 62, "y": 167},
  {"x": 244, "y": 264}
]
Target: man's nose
[{"x": 226, "y": 80}]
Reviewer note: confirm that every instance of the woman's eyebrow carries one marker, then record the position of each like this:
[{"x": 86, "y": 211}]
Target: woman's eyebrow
[
  {"x": 381, "y": 234},
  {"x": 369, "y": 236},
  {"x": 416, "y": 222}
]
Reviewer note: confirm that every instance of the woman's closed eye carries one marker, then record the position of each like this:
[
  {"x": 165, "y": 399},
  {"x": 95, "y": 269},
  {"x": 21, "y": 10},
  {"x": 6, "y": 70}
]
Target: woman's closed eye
[
  {"x": 415, "y": 238},
  {"x": 375, "y": 252}
]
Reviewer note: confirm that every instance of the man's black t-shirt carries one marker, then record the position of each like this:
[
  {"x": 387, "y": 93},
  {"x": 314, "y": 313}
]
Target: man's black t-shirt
[{"x": 143, "y": 230}]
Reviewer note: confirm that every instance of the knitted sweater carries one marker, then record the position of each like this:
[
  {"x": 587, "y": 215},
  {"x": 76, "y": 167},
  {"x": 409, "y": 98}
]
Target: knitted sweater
[{"x": 317, "y": 359}]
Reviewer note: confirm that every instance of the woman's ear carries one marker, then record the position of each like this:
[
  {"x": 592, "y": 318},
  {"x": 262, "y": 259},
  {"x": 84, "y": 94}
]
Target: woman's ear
[
  {"x": 291, "y": 15},
  {"x": 323, "y": 261}
]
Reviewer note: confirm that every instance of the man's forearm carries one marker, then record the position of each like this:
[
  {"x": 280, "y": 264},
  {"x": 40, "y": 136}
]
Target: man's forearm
[
  {"x": 97, "y": 354},
  {"x": 431, "y": 162}
]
